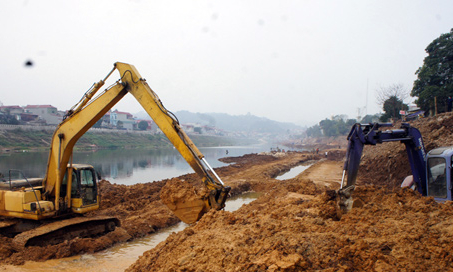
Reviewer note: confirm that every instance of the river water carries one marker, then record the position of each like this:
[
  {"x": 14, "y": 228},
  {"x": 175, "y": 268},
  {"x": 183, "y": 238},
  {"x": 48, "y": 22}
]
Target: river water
[{"x": 127, "y": 166}]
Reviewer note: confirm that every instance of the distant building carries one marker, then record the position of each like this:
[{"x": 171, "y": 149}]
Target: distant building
[
  {"x": 122, "y": 120},
  {"x": 15, "y": 111},
  {"x": 47, "y": 113},
  {"x": 19, "y": 113}
]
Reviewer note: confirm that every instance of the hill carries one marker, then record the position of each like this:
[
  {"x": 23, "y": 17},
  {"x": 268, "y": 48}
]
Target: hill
[{"x": 233, "y": 123}]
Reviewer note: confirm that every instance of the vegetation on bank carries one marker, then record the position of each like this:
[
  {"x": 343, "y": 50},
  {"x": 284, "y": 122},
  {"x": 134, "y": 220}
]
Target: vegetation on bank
[{"x": 20, "y": 139}]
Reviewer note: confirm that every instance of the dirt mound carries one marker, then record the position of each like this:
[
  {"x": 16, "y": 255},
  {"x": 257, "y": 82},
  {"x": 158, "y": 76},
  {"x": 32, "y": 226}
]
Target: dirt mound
[
  {"x": 401, "y": 231},
  {"x": 248, "y": 158},
  {"x": 293, "y": 226}
]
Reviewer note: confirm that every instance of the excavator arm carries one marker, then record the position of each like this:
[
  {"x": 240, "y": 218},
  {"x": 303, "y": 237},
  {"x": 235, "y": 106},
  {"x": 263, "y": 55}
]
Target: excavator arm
[
  {"x": 91, "y": 108},
  {"x": 369, "y": 134}
]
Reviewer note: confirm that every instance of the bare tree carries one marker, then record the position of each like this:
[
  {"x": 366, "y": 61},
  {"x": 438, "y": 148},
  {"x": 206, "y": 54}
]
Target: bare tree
[
  {"x": 383, "y": 93},
  {"x": 391, "y": 98}
]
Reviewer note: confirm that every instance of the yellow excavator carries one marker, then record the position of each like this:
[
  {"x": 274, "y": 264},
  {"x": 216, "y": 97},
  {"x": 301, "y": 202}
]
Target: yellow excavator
[{"x": 70, "y": 189}]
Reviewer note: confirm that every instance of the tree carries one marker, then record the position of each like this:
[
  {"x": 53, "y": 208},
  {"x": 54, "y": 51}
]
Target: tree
[
  {"x": 435, "y": 77},
  {"x": 98, "y": 124},
  {"x": 370, "y": 118},
  {"x": 314, "y": 131},
  {"x": 392, "y": 107},
  {"x": 391, "y": 98},
  {"x": 8, "y": 119},
  {"x": 143, "y": 125},
  {"x": 119, "y": 125},
  {"x": 336, "y": 126}
]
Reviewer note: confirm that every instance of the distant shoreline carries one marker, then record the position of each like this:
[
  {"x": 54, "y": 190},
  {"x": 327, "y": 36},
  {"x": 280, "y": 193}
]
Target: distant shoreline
[{"x": 24, "y": 140}]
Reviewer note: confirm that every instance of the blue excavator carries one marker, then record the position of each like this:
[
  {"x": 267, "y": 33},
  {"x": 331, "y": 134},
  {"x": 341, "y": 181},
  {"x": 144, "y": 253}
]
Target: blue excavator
[{"x": 431, "y": 172}]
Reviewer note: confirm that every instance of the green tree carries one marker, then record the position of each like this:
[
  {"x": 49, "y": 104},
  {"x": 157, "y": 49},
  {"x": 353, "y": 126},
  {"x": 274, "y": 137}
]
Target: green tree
[
  {"x": 370, "y": 119},
  {"x": 336, "y": 126},
  {"x": 314, "y": 131},
  {"x": 119, "y": 125},
  {"x": 435, "y": 77},
  {"x": 197, "y": 130},
  {"x": 98, "y": 124},
  {"x": 392, "y": 107},
  {"x": 8, "y": 119},
  {"x": 143, "y": 125}
]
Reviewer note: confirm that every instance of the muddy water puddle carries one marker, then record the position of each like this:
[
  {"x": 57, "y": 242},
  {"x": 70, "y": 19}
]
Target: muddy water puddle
[
  {"x": 294, "y": 172},
  {"x": 120, "y": 256}
]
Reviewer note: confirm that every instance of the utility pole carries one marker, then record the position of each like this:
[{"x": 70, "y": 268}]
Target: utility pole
[{"x": 435, "y": 105}]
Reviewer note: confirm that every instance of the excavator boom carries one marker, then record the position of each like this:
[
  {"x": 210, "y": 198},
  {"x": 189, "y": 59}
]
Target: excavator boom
[
  {"x": 91, "y": 109},
  {"x": 69, "y": 188},
  {"x": 370, "y": 134}
]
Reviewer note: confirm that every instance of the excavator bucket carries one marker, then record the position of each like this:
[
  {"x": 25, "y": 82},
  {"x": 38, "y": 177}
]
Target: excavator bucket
[
  {"x": 189, "y": 211},
  {"x": 345, "y": 201},
  {"x": 189, "y": 203}
]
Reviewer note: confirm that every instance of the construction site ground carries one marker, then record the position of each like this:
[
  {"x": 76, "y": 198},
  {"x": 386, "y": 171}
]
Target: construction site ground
[{"x": 293, "y": 225}]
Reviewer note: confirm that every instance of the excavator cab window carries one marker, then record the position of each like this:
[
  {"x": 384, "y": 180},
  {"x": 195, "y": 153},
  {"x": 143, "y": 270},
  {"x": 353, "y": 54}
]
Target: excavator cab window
[
  {"x": 88, "y": 190},
  {"x": 64, "y": 184},
  {"x": 437, "y": 182}
]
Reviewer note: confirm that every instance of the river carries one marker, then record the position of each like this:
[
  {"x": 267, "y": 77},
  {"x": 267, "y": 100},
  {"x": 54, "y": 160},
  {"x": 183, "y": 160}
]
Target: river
[{"x": 127, "y": 166}]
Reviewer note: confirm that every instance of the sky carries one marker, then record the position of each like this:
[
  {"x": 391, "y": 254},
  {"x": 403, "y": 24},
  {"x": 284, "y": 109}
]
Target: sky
[{"x": 288, "y": 60}]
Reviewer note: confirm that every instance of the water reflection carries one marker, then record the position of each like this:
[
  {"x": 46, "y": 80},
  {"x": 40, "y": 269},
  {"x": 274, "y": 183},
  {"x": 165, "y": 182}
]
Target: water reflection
[
  {"x": 127, "y": 166},
  {"x": 293, "y": 172}
]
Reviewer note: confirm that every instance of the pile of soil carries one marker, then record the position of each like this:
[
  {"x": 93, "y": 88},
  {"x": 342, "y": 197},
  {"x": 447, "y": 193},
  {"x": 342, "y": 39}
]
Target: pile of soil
[
  {"x": 393, "y": 232},
  {"x": 294, "y": 225}
]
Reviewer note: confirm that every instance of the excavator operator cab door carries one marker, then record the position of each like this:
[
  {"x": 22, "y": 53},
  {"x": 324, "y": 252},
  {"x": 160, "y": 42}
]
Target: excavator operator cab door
[
  {"x": 439, "y": 164},
  {"x": 88, "y": 190},
  {"x": 84, "y": 191}
]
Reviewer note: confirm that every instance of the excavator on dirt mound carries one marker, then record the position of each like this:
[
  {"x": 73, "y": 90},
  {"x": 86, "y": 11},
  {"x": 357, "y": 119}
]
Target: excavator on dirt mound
[
  {"x": 431, "y": 172},
  {"x": 44, "y": 211}
]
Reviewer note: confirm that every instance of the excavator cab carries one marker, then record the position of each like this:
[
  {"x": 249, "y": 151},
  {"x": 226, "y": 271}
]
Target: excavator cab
[
  {"x": 83, "y": 193},
  {"x": 439, "y": 168}
]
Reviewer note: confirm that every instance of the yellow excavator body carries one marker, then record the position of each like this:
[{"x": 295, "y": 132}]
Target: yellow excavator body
[{"x": 72, "y": 188}]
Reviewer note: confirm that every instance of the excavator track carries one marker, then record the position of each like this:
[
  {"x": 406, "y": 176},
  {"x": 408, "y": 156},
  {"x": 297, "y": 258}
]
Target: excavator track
[{"x": 59, "y": 231}]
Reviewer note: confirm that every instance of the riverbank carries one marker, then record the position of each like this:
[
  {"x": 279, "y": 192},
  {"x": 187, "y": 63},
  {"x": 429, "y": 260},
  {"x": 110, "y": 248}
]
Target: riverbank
[
  {"x": 142, "y": 212},
  {"x": 19, "y": 140}
]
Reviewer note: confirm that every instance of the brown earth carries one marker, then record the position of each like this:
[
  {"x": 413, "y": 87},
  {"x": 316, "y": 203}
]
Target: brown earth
[
  {"x": 141, "y": 210},
  {"x": 293, "y": 225}
]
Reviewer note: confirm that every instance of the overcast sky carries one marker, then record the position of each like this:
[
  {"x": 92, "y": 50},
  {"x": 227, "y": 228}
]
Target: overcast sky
[{"x": 291, "y": 61}]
